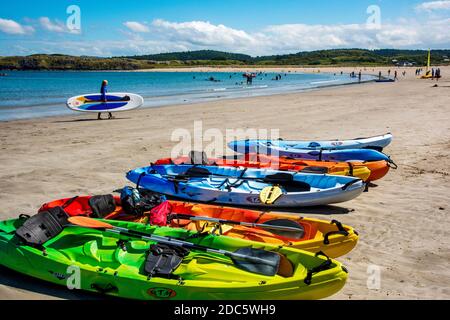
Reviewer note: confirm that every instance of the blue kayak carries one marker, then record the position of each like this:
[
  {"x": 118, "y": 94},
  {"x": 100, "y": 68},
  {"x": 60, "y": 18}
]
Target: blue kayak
[
  {"x": 274, "y": 149},
  {"x": 229, "y": 185},
  {"x": 375, "y": 143}
]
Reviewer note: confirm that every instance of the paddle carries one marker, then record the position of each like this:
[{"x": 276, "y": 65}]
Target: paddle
[
  {"x": 252, "y": 260},
  {"x": 282, "y": 227}
]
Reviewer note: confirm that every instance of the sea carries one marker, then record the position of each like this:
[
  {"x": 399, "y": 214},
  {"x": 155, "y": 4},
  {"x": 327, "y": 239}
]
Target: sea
[{"x": 31, "y": 94}]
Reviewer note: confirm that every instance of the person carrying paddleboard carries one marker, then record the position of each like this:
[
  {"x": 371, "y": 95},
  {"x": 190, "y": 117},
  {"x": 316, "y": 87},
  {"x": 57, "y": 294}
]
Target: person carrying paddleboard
[{"x": 103, "y": 92}]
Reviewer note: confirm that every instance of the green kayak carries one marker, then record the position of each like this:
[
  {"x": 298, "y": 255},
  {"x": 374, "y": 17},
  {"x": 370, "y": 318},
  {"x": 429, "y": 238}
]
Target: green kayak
[{"x": 117, "y": 264}]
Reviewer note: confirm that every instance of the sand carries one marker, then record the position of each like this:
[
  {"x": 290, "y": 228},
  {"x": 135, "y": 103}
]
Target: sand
[{"x": 404, "y": 222}]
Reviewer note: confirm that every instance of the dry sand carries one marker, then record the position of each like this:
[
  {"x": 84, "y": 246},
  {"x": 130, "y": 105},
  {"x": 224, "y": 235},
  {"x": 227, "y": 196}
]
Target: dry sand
[{"x": 403, "y": 223}]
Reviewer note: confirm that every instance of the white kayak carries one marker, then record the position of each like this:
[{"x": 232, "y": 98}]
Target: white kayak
[
  {"x": 375, "y": 143},
  {"x": 228, "y": 185}
]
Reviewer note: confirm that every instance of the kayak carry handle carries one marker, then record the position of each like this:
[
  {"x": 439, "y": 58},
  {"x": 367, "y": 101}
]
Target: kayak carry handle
[
  {"x": 348, "y": 184},
  {"x": 322, "y": 267},
  {"x": 332, "y": 233},
  {"x": 341, "y": 230},
  {"x": 392, "y": 164}
]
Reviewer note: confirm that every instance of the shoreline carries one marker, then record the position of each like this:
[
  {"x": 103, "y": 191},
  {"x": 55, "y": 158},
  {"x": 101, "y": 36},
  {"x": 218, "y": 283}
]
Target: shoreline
[
  {"x": 225, "y": 68},
  {"x": 178, "y": 105},
  {"x": 265, "y": 92}
]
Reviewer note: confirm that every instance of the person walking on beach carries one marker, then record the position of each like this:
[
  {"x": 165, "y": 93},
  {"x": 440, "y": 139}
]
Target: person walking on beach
[
  {"x": 103, "y": 92},
  {"x": 438, "y": 74},
  {"x": 359, "y": 76},
  {"x": 395, "y": 75},
  {"x": 389, "y": 72},
  {"x": 379, "y": 75}
]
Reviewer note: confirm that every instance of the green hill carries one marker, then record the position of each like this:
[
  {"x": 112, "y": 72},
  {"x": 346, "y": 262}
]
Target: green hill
[
  {"x": 339, "y": 57},
  {"x": 195, "y": 55}
]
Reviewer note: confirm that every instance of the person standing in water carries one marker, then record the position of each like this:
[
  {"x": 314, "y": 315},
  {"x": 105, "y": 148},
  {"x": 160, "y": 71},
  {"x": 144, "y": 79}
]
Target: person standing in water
[{"x": 103, "y": 92}]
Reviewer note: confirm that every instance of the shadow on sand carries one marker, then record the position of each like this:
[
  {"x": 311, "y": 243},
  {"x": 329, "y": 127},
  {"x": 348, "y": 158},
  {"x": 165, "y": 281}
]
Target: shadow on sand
[
  {"x": 20, "y": 281},
  {"x": 89, "y": 119}
]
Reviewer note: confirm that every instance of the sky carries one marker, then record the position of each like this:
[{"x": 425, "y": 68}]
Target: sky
[{"x": 254, "y": 27}]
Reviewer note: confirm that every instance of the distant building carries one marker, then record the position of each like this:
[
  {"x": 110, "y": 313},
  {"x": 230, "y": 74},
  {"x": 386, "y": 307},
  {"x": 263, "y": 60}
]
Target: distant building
[{"x": 405, "y": 64}]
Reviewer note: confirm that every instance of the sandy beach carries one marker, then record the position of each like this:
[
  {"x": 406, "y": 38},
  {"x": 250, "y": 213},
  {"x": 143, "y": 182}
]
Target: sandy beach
[{"x": 403, "y": 222}]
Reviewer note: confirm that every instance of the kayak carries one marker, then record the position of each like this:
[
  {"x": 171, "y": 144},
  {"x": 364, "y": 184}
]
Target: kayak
[
  {"x": 366, "y": 171},
  {"x": 332, "y": 238},
  {"x": 127, "y": 266},
  {"x": 246, "y": 187},
  {"x": 375, "y": 142},
  {"x": 279, "y": 149}
]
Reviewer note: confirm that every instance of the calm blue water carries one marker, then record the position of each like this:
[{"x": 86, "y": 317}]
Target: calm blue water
[{"x": 28, "y": 94}]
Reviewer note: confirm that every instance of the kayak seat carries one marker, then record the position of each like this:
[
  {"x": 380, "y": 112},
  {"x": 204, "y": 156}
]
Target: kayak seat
[
  {"x": 42, "y": 227},
  {"x": 102, "y": 205},
  {"x": 315, "y": 169},
  {"x": 287, "y": 181},
  {"x": 195, "y": 172}
]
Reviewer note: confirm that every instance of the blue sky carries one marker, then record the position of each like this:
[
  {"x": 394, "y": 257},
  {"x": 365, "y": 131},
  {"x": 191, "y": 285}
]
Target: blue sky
[{"x": 255, "y": 27}]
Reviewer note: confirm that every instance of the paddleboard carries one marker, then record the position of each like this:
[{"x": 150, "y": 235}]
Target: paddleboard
[{"x": 115, "y": 102}]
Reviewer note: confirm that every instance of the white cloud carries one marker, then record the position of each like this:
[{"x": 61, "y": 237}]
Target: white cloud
[
  {"x": 48, "y": 25},
  {"x": 434, "y": 5},
  {"x": 166, "y": 36},
  {"x": 203, "y": 33},
  {"x": 56, "y": 26},
  {"x": 13, "y": 27},
  {"x": 137, "y": 27},
  {"x": 291, "y": 38}
]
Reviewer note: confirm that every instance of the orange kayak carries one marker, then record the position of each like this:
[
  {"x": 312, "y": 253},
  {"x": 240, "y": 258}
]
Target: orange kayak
[
  {"x": 331, "y": 238},
  {"x": 367, "y": 171}
]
